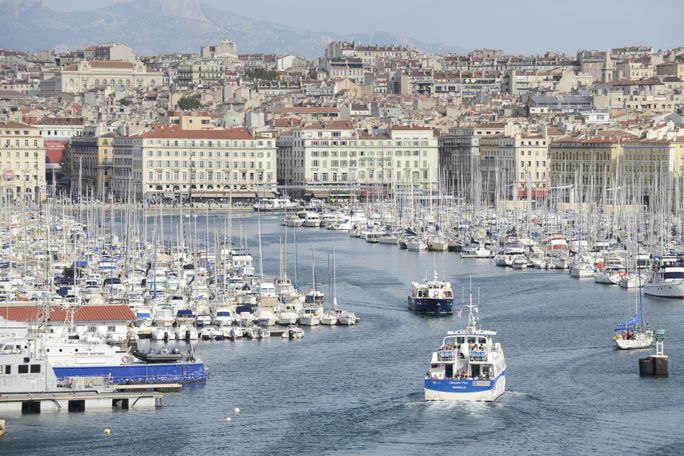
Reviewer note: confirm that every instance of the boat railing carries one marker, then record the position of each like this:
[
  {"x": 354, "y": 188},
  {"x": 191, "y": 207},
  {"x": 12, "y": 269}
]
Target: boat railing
[
  {"x": 446, "y": 355},
  {"x": 478, "y": 356}
]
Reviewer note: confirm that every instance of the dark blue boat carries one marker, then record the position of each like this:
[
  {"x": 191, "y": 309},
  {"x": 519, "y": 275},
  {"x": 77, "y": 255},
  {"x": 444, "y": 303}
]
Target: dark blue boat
[{"x": 433, "y": 297}]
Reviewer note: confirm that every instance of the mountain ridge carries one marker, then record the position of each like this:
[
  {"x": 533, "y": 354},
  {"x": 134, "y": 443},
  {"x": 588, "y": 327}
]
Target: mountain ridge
[{"x": 31, "y": 25}]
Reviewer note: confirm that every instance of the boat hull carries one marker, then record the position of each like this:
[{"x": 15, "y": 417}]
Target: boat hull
[
  {"x": 138, "y": 372},
  {"x": 641, "y": 341},
  {"x": 673, "y": 289},
  {"x": 465, "y": 390},
  {"x": 430, "y": 306}
]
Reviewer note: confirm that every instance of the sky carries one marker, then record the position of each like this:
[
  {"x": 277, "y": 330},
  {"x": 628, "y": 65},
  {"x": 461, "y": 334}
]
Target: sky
[{"x": 518, "y": 26}]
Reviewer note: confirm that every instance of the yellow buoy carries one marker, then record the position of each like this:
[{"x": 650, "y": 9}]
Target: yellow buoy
[
  {"x": 107, "y": 431},
  {"x": 236, "y": 410}
]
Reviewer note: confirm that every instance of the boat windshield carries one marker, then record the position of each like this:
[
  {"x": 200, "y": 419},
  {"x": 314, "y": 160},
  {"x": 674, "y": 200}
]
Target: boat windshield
[{"x": 674, "y": 275}]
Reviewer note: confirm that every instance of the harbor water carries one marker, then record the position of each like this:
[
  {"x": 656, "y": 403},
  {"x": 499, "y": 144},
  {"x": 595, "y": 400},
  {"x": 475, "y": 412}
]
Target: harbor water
[{"x": 358, "y": 390}]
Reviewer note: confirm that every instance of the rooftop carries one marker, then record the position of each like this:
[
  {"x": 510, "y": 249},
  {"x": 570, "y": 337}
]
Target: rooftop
[
  {"x": 175, "y": 132},
  {"x": 85, "y": 313}
]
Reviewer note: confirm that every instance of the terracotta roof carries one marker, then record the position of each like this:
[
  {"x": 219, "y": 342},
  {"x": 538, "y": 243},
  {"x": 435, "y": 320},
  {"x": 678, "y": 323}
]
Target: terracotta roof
[
  {"x": 15, "y": 125},
  {"x": 57, "y": 313},
  {"x": 366, "y": 135},
  {"x": 605, "y": 140},
  {"x": 332, "y": 125},
  {"x": 175, "y": 132},
  {"x": 60, "y": 121},
  {"x": 304, "y": 110},
  {"x": 491, "y": 125},
  {"x": 285, "y": 122},
  {"x": 110, "y": 64},
  {"x": 406, "y": 127}
]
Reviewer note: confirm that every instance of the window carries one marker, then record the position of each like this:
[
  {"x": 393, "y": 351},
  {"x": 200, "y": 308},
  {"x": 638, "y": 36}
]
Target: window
[
  {"x": 35, "y": 368},
  {"x": 23, "y": 369}
]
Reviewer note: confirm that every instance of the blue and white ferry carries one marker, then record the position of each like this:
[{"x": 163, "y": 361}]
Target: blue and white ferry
[
  {"x": 80, "y": 358},
  {"x": 431, "y": 297},
  {"x": 469, "y": 366}
]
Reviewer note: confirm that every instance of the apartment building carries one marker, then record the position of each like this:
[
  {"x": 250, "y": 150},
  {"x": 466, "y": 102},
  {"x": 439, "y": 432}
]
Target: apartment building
[
  {"x": 497, "y": 167},
  {"x": 199, "y": 164},
  {"x": 650, "y": 166},
  {"x": 459, "y": 157},
  {"x": 90, "y": 74},
  {"x": 531, "y": 164},
  {"x": 325, "y": 159},
  {"x": 92, "y": 159},
  {"x": 583, "y": 165},
  {"x": 22, "y": 162}
]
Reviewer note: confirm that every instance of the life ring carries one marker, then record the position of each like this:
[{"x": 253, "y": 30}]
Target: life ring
[{"x": 124, "y": 359}]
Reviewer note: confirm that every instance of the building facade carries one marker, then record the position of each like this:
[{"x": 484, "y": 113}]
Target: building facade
[
  {"x": 459, "y": 157},
  {"x": 582, "y": 167},
  {"x": 22, "y": 162},
  {"x": 92, "y": 164},
  {"x": 92, "y": 74},
  {"x": 336, "y": 158},
  {"x": 169, "y": 162}
]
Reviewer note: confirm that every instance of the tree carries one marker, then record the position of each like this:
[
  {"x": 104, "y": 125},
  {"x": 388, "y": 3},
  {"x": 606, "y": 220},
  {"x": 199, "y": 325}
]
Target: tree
[
  {"x": 261, "y": 73},
  {"x": 65, "y": 167},
  {"x": 125, "y": 101},
  {"x": 189, "y": 103}
]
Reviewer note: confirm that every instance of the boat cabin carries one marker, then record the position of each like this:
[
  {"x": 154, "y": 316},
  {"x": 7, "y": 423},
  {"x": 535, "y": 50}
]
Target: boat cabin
[{"x": 464, "y": 355}]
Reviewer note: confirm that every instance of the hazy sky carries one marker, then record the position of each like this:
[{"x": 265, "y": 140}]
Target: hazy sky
[{"x": 517, "y": 26}]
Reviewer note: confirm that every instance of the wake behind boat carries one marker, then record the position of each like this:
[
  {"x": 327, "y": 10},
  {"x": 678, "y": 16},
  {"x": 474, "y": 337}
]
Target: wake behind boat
[{"x": 469, "y": 366}]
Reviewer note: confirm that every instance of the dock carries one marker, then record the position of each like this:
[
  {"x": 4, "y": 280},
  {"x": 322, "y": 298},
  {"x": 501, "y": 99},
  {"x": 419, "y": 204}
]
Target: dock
[
  {"x": 158, "y": 387},
  {"x": 79, "y": 401}
]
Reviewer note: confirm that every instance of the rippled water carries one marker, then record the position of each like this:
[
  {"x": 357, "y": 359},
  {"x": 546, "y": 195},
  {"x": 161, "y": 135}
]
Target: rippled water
[{"x": 358, "y": 390}]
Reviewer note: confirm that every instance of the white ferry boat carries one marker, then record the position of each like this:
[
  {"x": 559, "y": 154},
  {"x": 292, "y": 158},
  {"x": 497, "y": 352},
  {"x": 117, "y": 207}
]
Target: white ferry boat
[{"x": 469, "y": 366}]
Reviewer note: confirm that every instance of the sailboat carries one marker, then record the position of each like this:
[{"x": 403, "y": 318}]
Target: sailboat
[
  {"x": 633, "y": 334},
  {"x": 344, "y": 317},
  {"x": 329, "y": 317}
]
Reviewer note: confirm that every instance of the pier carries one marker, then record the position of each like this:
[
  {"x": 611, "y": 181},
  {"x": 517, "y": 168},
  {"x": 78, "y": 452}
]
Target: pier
[{"x": 80, "y": 401}]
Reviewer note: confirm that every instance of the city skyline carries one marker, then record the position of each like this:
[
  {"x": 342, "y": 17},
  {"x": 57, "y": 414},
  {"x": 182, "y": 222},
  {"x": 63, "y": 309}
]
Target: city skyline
[{"x": 526, "y": 27}]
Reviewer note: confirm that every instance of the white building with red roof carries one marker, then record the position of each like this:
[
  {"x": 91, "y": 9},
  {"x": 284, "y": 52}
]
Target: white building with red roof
[{"x": 109, "y": 321}]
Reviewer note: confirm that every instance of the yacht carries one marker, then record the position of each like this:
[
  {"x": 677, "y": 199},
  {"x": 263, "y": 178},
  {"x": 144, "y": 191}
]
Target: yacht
[
  {"x": 311, "y": 316},
  {"x": 477, "y": 252},
  {"x": 431, "y": 297},
  {"x": 274, "y": 204},
  {"x": 667, "y": 279},
  {"x": 312, "y": 220},
  {"x": 468, "y": 366},
  {"x": 416, "y": 244},
  {"x": 609, "y": 271}
]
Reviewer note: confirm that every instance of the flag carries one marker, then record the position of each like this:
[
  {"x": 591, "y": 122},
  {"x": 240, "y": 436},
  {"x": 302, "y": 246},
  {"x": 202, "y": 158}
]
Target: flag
[
  {"x": 476, "y": 311},
  {"x": 460, "y": 313}
]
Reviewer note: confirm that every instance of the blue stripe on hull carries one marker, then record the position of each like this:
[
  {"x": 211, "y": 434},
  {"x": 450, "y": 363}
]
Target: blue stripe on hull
[
  {"x": 453, "y": 385},
  {"x": 138, "y": 372},
  {"x": 430, "y": 306}
]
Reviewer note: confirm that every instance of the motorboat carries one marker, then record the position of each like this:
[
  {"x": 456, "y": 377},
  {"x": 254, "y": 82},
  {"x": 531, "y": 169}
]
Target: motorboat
[
  {"x": 667, "y": 279},
  {"x": 434, "y": 297}
]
